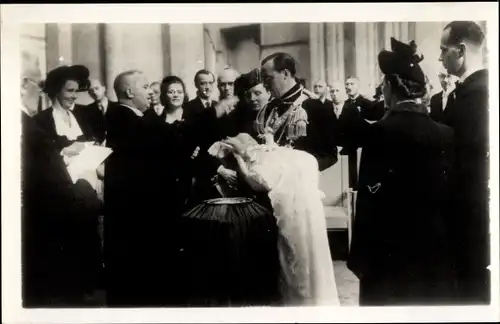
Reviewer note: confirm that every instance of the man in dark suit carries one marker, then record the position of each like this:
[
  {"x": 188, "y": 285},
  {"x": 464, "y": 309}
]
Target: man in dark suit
[
  {"x": 352, "y": 126},
  {"x": 95, "y": 113},
  {"x": 141, "y": 261},
  {"x": 439, "y": 101},
  {"x": 60, "y": 245},
  {"x": 205, "y": 165},
  {"x": 321, "y": 90},
  {"x": 204, "y": 82},
  {"x": 462, "y": 45}
]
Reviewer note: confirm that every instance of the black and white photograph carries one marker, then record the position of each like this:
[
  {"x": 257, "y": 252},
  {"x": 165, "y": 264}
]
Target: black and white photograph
[{"x": 230, "y": 163}]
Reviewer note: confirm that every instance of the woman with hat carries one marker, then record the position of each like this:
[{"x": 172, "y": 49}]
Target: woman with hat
[
  {"x": 399, "y": 249},
  {"x": 252, "y": 97},
  {"x": 62, "y": 121},
  {"x": 68, "y": 130}
]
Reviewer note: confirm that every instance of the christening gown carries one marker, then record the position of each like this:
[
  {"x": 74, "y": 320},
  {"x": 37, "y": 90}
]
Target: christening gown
[{"x": 291, "y": 178}]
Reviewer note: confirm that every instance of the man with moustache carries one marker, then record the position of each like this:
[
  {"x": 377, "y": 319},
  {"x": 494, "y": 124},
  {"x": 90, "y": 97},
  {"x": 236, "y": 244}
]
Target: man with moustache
[
  {"x": 205, "y": 165},
  {"x": 53, "y": 212},
  {"x": 462, "y": 45},
  {"x": 352, "y": 126},
  {"x": 292, "y": 121},
  {"x": 204, "y": 82},
  {"x": 439, "y": 101}
]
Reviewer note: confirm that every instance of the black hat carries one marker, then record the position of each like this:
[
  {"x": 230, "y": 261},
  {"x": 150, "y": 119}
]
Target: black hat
[
  {"x": 403, "y": 61},
  {"x": 247, "y": 81},
  {"x": 57, "y": 77}
]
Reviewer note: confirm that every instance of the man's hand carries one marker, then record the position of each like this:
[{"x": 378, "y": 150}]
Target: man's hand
[
  {"x": 229, "y": 175},
  {"x": 225, "y": 106}
]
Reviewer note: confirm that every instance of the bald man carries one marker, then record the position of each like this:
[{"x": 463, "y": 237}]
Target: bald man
[
  {"x": 140, "y": 210},
  {"x": 225, "y": 82},
  {"x": 125, "y": 180},
  {"x": 321, "y": 90}
]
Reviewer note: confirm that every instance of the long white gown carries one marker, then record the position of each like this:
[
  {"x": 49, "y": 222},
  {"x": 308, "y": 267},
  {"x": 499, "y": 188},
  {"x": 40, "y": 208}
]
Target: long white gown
[{"x": 292, "y": 180}]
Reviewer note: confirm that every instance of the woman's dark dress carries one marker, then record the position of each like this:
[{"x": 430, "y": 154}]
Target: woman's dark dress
[{"x": 399, "y": 248}]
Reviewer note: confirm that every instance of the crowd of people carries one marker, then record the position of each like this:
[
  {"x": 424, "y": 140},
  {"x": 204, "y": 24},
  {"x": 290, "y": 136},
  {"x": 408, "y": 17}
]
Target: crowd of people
[{"x": 420, "y": 234}]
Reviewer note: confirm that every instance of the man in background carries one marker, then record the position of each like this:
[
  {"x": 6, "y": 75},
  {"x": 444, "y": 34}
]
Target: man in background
[
  {"x": 204, "y": 82},
  {"x": 225, "y": 82},
  {"x": 155, "y": 98},
  {"x": 95, "y": 113},
  {"x": 439, "y": 101},
  {"x": 321, "y": 90},
  {"x": 352, "y": 126}
]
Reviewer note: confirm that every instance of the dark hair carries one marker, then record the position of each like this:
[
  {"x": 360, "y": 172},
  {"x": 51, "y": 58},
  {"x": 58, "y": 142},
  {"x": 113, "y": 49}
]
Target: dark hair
[
  {"x": 57, "y": 78},
  {"x": 406, "y": 88},
  {"x": 202, "y": 71},
  {"x": 282, "y": 61},
  {"x": 165, "y": 83},
  {"x": 465, "y": 31}
]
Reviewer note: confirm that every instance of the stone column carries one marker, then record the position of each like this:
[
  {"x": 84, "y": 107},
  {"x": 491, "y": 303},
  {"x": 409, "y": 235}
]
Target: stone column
[
  {"x": 403, "y": 32},
  {"x": 387, "y": 35},
  {"x": 187, "y": 53},
  {"x": 59, "y": 45},
  {"x": 334, "y": 52},
  {"x": 364, "y": 56},
  {"x": 210, "y": 48},
  {"x": 317, "y": 51},
  {"x": 112, "y": 60}
]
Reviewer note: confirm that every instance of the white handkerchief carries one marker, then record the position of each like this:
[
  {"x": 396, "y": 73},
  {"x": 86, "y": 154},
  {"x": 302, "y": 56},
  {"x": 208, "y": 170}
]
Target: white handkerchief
[{"x": 88, "y": 159}]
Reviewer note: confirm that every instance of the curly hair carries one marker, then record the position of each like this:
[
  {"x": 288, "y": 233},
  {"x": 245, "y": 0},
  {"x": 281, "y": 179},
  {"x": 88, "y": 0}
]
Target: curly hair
[{"x": 165, "y": 83}]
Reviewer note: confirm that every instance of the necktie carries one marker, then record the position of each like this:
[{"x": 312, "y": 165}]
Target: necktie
[
  {"x": 207, "y": 104},
  {"x": 101, "y": 107}
]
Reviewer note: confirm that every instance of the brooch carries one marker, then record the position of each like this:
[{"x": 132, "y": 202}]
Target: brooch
[{"x": 375, "y": 188}]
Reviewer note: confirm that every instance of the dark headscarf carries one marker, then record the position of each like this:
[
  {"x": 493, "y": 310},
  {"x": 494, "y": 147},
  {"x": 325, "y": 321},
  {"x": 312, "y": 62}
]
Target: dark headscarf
[
  {"x": 57, "y": 78},
  {"x": 403, "y": 61}
]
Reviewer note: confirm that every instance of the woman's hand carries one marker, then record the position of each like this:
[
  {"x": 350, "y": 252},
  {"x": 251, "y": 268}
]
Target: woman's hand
[{"x": 74, "y": 149}]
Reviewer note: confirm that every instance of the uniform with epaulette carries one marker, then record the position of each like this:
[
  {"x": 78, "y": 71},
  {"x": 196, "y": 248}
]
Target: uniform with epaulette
[{"x": 296, "y": 122}]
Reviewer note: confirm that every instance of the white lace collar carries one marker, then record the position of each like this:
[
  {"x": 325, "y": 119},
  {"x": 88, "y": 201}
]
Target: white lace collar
[{"x": 72, "y": 129}]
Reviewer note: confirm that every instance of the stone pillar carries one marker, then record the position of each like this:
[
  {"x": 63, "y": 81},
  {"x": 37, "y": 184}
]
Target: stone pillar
[
  {"x": 209, "y": 48},
  {"x": 403, "y": 32},
  {"x": 334, "y": 52},
  {"x": 112, "y": 56},
  {"x": 59, "y": 45},
  {"x": 387, "y": 35},
  {"x": 317, "y": 51},
  {"x": 364, "y": 52},
  {"x": 396, "y": 32},
  {"x": 187, "y": 53}
]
